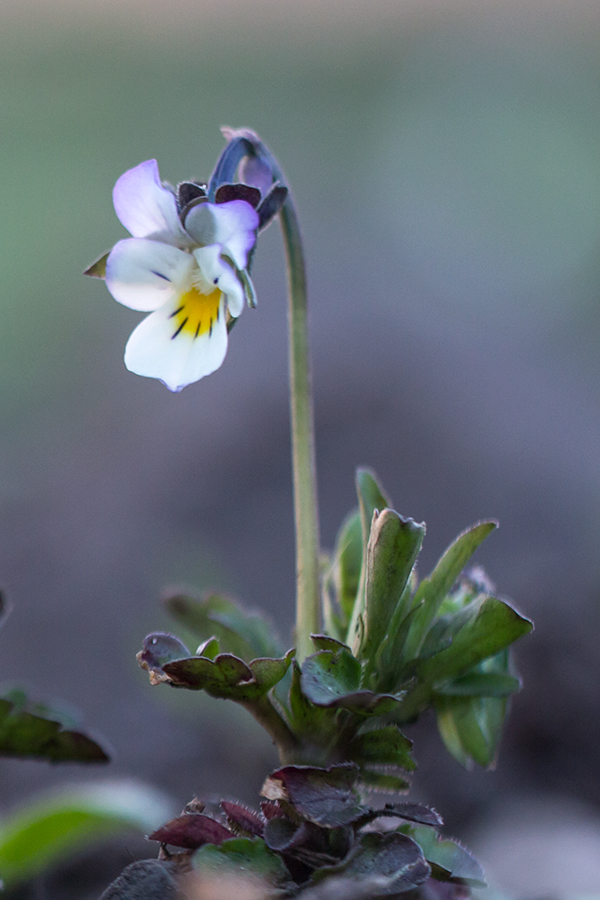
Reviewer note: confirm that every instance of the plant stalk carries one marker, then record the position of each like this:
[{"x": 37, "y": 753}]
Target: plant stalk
[{"x": 303, "y": 446}]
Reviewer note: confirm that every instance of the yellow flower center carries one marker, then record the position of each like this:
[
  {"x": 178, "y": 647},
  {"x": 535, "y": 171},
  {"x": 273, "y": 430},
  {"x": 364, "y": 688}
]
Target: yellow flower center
[{"x": 196, "y": 312}]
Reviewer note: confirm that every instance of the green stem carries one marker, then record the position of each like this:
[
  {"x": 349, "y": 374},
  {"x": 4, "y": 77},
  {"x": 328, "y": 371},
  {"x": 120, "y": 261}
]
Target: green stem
[
  {"x": 275, "y": 725},
  {"x": 303, "y": 450},
  {"x": 308, "y": 598}
]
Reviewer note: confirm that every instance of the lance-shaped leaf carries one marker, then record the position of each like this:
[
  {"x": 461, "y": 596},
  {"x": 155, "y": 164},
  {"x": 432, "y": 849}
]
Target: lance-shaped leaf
[
  {"x": 45, "y": 832},
  {"x": 495, "y": 626},
  {"x": 332, "y": 680},
  {"x": 30, "y": 730},
  {"x": 379, "y": 865},
  {"x": 347, "y": 562},
  {"x": 480, "y": 684},
  {"x": 244, "y": 634},
  {"x": 471, "y": 725},
  {"x": 191, "y": 831},
  {"x": 433, "y": 589},
  {"x": 241, "y": 856},
  {"x": 382, "y": 746},
  {"x": 370, "y": 498},
  {"x": 327, "y": 797},
  {"x": 393, "y": 547},
  {"x": 227, "y": 676},
  {"x": 449, "y": 860}
]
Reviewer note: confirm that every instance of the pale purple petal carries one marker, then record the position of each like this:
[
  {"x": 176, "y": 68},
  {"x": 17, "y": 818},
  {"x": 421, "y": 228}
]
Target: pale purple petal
[
  {"x": 233, "y": 225},
  {"x": 216, "y": 271},
  {"x": 143, "y": 205},
  {"x": 256, "y": 172},
  {"x": 145, "y": 274},
  {"x": 153, "y": 350}
]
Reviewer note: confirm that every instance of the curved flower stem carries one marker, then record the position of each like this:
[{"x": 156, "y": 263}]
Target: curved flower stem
[{"x": 303, "y": 448}]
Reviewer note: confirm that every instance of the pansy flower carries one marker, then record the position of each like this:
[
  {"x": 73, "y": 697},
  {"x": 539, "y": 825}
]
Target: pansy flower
[{"x": 186, "y": 264}]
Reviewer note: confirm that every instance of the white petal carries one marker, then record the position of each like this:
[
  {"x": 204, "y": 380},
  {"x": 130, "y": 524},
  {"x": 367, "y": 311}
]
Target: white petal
[
  {"x": 145, "y": 274},
  {"x": 153, "y": 351},
  {"x": 233, "y": 225},
  {"x": 216, "y": 271},
  {"x": 143, "y": 205}
]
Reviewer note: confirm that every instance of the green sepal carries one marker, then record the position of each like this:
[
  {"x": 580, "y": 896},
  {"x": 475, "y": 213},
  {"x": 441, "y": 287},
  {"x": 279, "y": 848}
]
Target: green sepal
[
  {"x": 392, "y": 550},
  {"x": 98, "y": 268},
  {"x": 241, "y": 633},
  {"x": 433, "y": 590}
]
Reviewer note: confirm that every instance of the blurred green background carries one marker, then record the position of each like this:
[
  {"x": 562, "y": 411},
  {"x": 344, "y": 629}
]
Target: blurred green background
[{"x": 445, "y": 159}]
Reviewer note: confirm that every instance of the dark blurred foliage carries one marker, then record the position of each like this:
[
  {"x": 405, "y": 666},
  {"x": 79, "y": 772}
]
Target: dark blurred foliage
[{"x": 447, "y": 172}]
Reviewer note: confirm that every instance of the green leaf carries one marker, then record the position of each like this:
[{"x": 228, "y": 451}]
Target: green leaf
[
  {"x": 332, "y": 680},
  {"x": 324, "y": 642},
  {"x": 347, "y": 562},
  {"x": 306, "y": 718},
  {"x": 29, "y": 730},
  {"x": 393, "y": 547},
  {"x": 471, "y": 726},
  {"x": 383, "y": 746},
  {"x": 370, "y": 498},
  {"x": 228, "y": 677},
  {"x": 379, "y": 865},
  {"x": 480, "y": 684},
  {"x": 450, "y": 860},
  {"x": 241, "y": 856},
  {"x": 495, "y": 626},
  {"x": 41, "y": 834},
  {"x": 432, "y": 590},
  {"x": 244, "y": 634}
]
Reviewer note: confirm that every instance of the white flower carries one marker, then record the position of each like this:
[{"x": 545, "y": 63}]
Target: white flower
[{"x": 186, "y": 267}]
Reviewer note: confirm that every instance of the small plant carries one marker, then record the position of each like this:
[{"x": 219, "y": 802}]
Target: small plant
[{"x": 374, "y": 646}]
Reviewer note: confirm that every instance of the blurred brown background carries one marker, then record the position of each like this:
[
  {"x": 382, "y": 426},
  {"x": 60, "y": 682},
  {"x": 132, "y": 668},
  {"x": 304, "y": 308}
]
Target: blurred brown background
[{"x": 445, "y": 158}]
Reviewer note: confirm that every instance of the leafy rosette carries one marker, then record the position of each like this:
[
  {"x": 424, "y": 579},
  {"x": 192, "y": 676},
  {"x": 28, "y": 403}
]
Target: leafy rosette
[
  {"x": 442, "y": 642},
  {"x": 313, "y": 835}
]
